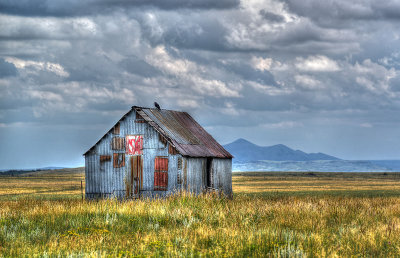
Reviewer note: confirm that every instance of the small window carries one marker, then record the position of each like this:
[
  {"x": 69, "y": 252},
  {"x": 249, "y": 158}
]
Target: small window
[
  {"x": 104, "y": 158},
  {"x": 118, "y": 143},
  {"x": 116, "y": 129},
  {"x": 161, "y": 174},
  {"x": 139, "y": 119},
  {"x": 119, "y": 160}
]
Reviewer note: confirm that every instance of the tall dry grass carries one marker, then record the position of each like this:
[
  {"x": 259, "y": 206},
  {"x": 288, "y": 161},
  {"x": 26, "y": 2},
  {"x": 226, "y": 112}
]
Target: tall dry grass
[
  {"x": 207, "y": 225},
  {"x": 266, "y": 224}
]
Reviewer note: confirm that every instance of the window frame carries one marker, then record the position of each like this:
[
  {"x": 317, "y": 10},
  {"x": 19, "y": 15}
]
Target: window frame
[{"x": 116, "y": 158}]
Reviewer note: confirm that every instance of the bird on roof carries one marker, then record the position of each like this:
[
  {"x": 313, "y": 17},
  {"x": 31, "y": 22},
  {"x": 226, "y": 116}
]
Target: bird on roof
[{"x": 157, "y": 106}]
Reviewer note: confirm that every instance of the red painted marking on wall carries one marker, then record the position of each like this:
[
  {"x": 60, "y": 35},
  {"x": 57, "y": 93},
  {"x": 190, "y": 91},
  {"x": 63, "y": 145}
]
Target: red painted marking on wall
[{"x": 134, "y": 144}]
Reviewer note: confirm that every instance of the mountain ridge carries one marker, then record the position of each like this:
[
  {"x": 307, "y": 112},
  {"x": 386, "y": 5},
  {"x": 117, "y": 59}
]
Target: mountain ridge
[{"x": 246, "y": 151}]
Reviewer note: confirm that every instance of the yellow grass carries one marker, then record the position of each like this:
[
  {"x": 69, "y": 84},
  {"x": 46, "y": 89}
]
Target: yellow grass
[{"x": 271, "y": 214}]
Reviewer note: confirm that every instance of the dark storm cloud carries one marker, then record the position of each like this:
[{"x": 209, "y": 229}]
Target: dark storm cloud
[
  {"x": 184, "y": 31},
  {"x": 137, "y": 66},
  {"x": 272, "y": 17},
  {"x": 339, "y": 13},
  {"x": 300, "y": 33},
  {"x": 395, "y": 83},
  {"x": 7, "y": 69},
  {"x": 66, "y": 8}
]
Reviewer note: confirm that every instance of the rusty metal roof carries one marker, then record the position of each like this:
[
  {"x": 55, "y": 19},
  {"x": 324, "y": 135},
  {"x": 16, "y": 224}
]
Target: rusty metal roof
[{"x": 182, "y": 131}]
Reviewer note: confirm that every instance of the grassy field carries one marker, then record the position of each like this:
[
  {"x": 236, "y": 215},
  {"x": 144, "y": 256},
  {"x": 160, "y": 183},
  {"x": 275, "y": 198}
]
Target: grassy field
[{"x": 271, "y": 214}]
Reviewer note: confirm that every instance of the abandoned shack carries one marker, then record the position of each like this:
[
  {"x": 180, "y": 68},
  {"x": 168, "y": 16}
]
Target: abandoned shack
[{"x": 156, "y": 152}]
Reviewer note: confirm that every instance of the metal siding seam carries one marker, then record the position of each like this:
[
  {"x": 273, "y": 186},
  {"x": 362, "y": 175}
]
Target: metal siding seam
[
  {"x": 92, "y": 190},
  {"x": 97, "y": 175},
  {"x": 87, "y": 178},
  {"x": 93, "y": 174},
  {"x": 86, "y": 168}
]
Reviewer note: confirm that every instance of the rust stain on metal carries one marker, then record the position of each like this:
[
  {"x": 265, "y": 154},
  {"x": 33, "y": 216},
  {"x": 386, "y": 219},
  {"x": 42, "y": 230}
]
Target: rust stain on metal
[{"x": 172, "y": 150}]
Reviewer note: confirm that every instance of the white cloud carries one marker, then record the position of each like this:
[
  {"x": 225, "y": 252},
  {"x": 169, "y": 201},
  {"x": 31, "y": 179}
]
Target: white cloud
[
  {"x": 270, "y": 90},
  {"x": 47, "y": 27},
  {"x": 45, "y": 95},
  {"x": 317, "y": 63},
  {"x": 283, "y": 124},
  {"x": 308, "y": 82},
  {"x": 188, "y": 103},
  {"x": 161, "y": 59},
  {"x": 230, "y": 109},
  {"x": 366, "y": 125},
  {"x": 190, "y": 74},
  {"x": 38, "y": 66},
  {"x": 262, "y": 64},
  {"x": 373, "y": 77}
]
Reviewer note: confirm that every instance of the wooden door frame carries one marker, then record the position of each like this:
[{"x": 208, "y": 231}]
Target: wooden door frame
[{"x": 136, "y": 175}]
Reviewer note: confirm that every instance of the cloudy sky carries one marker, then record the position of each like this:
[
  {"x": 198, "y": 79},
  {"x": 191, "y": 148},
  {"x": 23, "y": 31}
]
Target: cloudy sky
[{"x": 314, "y": 75}]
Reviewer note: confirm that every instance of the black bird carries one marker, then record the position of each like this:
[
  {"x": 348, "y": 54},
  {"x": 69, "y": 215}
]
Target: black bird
[{"x": 157, "y": 106}]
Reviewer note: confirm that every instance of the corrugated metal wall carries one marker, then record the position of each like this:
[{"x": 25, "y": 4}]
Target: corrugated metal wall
[
  {"x": 103, "y": 180},
  {"x": 222, "y": 169},
  {"x": 194, "y": 169},
  {"x": 196, "y": 174}
]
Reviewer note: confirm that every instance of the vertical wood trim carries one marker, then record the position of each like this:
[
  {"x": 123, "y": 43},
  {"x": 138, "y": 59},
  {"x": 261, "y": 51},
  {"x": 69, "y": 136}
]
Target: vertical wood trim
[
  {"x": 140, "y": 163},
  {"x": 185, "y": 175},
  {"x": 135, "y": 174}
]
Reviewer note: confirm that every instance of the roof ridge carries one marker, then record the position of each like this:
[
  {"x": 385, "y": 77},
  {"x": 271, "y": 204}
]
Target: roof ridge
[{"x": 152, "y": 108}]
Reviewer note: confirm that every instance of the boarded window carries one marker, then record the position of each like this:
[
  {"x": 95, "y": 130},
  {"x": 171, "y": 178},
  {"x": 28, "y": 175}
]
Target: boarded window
[
  {"x": 116, "y": 129},
  {"x": 139, "y": 119},
  {"x": 118, "y": 143},
  {"x": 134, "y": 144},
  {"x": 119, "y": 160},
  {"x": 172, "y": 150},
  {"x": 104, "y": 158},
  {"x": 161, "y": 174}
]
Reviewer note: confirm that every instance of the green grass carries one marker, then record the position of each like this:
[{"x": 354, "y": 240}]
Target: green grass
[{"x": 271, "y": 214}]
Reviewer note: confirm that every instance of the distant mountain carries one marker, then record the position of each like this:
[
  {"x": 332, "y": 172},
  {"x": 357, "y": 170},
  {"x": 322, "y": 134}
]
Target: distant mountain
[
  {"x": 26, "y": 170},
  {"x": 245, "y": 151}
]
